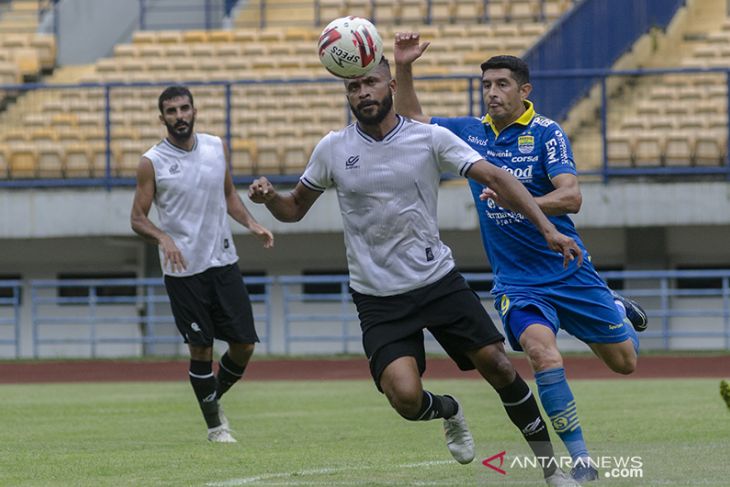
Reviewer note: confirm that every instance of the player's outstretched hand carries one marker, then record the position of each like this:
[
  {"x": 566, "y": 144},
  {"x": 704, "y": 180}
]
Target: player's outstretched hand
[
  {"x": 173, "y": 256},
  {"x": 407, "y": 47},
  {"x": 566, "y": 246},
  {"x": 263, "y": 234},
  {"x": 261, "y": 191}
]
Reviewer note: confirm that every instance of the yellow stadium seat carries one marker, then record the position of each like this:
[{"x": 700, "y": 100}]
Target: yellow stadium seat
[
  {"x": 271, "y": 36},
  {"x": 677, "y": 149},
  {"x": 330, "y": 10},
  {"x": 127, "y": 154},
  {"x": 268, "y": 159},
  {"x": 195, "y": 36},
  {"x": 78, "y": 161},
  {"x": 217, "y": 36},
  {"x": 202, "y": 50},
  {"x": 441, "y": 11},
  {"x": 4, "y": 161},
  {"x": 125, "y": 50},
  {"x": 709, "y": 151},
  {"x": 45, "y": 45},
  {"x": 28, "y": 62},
  {"x": 359, "y": 8},
  {"x": 169, "y": 37},
  {"x": 300, "y": 35},
  {"x": 522, "y": 10},
  {"x": 245, "y": 36},
  {"x": 647, "y": 149},
  {"x": 243, "y": 156},
  {"x": 225, "y": 50},
  {"x": 144, "y": 37},
  {"x": 295, "y": 155},
  {"x": 50, "y": 160},
  {"x": 620, "y": 149},
  {"x": 23, "y": 160}
]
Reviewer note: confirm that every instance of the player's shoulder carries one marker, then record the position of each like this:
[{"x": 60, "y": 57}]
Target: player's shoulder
[
  {"x": 456, "y": 121},
  {"x": 541, "y": 122},
  {"x": 208, "y": 138}
]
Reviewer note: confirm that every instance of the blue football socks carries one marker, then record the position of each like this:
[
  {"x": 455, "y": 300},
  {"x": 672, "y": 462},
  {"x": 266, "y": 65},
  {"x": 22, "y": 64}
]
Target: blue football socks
[{"x": 559, "y": 403}]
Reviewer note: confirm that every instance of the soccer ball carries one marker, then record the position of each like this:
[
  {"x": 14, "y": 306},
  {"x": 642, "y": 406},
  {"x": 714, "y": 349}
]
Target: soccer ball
[{"x": 350, "y": 47}]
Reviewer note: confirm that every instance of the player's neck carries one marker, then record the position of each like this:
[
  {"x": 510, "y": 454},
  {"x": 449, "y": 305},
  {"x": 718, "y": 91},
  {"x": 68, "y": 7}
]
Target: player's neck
[
  {"x": 380, "y": 130},
  {"x": 184, "y": 144},
  {"x": 506, "y": 122}
]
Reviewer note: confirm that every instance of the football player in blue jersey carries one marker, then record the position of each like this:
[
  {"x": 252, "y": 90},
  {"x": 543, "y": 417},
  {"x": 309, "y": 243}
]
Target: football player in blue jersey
[{"x": 534, "y": 293}]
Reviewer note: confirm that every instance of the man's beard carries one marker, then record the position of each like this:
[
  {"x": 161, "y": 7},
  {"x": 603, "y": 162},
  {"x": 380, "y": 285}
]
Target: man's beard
[
  {"x": 180, "y": 136},
  {"x": 385, "y": 105}
]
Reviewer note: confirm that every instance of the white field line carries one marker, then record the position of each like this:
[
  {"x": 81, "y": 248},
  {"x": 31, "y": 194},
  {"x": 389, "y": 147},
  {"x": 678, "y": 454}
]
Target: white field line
[{"x": 314, "y": 471}]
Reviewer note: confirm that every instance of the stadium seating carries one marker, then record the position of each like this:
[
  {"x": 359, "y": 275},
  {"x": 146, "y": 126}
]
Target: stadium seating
[
  {"x": 274, "y": 126},
  {"x": 679, "y": 119}
]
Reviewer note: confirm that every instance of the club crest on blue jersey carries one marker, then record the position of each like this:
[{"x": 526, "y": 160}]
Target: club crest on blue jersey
[
  {"x": 526, "y": 144},
  {"x": 175, "y": 168}
]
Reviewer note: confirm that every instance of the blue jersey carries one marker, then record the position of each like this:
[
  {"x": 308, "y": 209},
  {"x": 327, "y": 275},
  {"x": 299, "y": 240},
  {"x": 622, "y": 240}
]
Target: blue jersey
[{"x": 534, "y": 149}]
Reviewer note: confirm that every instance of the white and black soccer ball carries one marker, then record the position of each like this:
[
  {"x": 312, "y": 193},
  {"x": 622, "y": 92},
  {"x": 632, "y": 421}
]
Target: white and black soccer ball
[{"x": 350, "y": 47}]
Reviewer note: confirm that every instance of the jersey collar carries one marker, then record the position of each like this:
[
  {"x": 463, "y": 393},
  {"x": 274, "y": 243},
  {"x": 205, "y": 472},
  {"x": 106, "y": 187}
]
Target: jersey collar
[
  {"x": 524, "y": 119},
  {"x": 180, "y": 149},
  {"x": 388, "y": 137}
]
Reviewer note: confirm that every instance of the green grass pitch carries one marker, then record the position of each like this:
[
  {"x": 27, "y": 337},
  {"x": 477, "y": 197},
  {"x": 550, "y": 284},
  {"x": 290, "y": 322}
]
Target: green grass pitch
[{"x": 341, "y": 433}]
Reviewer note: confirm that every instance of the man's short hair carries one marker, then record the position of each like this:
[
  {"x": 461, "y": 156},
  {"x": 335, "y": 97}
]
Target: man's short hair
[
  {"x": 519, "y": 68},
  {"x": 174, "y": 92}
]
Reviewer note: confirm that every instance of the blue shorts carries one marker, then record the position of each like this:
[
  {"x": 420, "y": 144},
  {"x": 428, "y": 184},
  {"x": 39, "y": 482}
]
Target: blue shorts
[{"x": 581, "y": 304}]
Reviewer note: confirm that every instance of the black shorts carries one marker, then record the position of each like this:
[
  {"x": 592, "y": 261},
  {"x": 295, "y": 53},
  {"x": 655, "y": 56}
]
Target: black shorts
[
  {"x": 212, "y": 304},
  {"x": 392, "y": 326}
]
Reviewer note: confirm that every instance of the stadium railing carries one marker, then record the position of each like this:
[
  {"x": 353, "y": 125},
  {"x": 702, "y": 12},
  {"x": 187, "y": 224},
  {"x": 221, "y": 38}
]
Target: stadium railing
[
  {"x": 687, "y": 309},
  {"x": 10, "y": 314},
  {"x": 310, "y": 317},
  {"x": 601, "y": 166},
  {"x": 134, "y": 312}
]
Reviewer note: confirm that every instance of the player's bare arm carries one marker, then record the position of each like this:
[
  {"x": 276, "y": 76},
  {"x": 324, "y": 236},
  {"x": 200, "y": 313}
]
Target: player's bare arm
[
  {"x": 407, "y": 49},
  {"x": 240, "y": 213},
  {"x": 517, "y": 197},
  {"x": 290, "y": 207},
  {"x": 141, "y": 224},
  {"x": 564, "y": 199}
]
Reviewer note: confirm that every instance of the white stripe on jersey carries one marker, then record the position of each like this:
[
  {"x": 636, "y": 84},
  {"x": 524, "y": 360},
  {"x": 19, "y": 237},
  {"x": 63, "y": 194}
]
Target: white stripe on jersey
[
  {"x": 388, "y": 192},
  {"x": 191, "y": 203}
]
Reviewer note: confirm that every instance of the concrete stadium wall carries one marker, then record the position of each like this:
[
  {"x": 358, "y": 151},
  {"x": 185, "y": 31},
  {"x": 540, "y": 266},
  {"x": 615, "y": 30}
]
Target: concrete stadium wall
[{"x": 44, "y": 233}]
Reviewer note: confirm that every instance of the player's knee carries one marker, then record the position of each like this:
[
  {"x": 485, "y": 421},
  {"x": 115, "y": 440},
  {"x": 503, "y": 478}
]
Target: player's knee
[
  {"x": 405, "y": 400},
  {"x": 241, "y": 352},
  {"x": 494, "y": 365},
  {"x": 543, "y": 357}
]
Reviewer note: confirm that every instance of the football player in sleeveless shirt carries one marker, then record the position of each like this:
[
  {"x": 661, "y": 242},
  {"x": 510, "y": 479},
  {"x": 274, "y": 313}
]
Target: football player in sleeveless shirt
[{"x": 186, "y": 176}]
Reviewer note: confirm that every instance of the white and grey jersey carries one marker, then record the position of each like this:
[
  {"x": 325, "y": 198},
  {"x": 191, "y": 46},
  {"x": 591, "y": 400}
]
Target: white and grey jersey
[
  {"x": 191, "y": 203},
  {"x": 388, "y": 192}
]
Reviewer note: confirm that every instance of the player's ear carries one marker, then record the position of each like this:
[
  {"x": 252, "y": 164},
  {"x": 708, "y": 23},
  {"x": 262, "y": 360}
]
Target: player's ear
[
  {"x": 525, "y": 90},
  {"x": 393, "y": 86},
  {"x": 162, "y": 118}
]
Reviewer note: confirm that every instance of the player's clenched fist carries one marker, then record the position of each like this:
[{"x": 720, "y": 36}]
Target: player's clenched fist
[{"x": 261, "y": 191}]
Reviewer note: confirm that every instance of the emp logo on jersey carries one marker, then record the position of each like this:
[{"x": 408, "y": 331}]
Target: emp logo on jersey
[
  {"x": 429, "y": 254},
  {"x": 226, "y": 244},
  {"x": 352, "y": 162}
]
